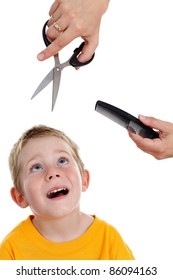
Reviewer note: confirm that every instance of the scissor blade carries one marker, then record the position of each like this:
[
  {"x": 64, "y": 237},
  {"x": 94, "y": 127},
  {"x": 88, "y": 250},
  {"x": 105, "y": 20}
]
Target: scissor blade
[
  {"x": 44, "y": 83},
  {"x": 56, "y": 83}
]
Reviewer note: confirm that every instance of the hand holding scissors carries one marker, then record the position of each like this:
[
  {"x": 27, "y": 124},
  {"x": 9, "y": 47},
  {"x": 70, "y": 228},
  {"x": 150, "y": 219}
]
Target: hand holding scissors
[{"x": 55, "y": 73}]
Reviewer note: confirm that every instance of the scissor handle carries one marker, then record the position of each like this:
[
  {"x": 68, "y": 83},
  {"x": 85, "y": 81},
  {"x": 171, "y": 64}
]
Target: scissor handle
[
  {"x": 46, "y": 40},
  {"x": 73, "y": 60}
]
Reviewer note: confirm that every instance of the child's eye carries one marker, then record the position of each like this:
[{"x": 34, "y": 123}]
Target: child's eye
[
  {"x": 62, "y": 161},
  {"x": 36, "y": 167}
]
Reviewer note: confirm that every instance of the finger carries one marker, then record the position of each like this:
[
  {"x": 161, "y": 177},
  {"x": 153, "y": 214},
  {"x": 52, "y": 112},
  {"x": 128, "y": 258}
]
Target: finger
[
  {"x": 54, "y": 17},
  {"x": 156, "y": 123},
  {"x": 56, "y": 29},
  {"x": 153, "y": 147},
  {"x": 58, "y": 44},
  {"x": 145, "y": 144},
  {"x": 88, "y": 50},
  {"x": 139, "y": 140},
  {"x": 54, "y": 7}
]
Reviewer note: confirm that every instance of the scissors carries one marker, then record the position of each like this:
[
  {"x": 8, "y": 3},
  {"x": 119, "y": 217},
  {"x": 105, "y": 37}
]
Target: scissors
[{"x": 55, "y": 73}]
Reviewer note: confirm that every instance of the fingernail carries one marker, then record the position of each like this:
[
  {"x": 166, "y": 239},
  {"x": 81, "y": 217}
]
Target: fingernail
[
  {"x": 40, "y": 56},
  {"x": 142, "y": 117}
]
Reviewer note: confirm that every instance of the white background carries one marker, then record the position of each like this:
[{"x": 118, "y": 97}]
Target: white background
[{"x": 133, "y": 70}]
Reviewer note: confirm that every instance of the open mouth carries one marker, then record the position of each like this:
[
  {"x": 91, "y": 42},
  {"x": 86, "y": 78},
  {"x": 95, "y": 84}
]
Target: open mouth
[{"x": 57, "y": 192}]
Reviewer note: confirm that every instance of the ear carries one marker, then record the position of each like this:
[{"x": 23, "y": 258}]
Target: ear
[
  {"x": 18, "y": 198},
  {"x": 85, "y": 180}
]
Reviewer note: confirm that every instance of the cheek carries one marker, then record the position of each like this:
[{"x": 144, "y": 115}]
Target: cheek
[
  {"x": 74, "y": 174},
  {"x": 28, "y": 187}
]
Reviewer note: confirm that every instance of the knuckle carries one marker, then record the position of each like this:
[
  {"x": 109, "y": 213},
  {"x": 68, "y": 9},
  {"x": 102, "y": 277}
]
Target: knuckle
[
  {"x": 78, "y": 25},
  {"x": 60, "y": 43},
  {"x": 71, "y": 15},
  {"x": 50, "y": 34}
]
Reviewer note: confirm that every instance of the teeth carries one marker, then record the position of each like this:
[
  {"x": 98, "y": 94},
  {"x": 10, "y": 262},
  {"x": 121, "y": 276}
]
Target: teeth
[{"x": 59, "y": 190}]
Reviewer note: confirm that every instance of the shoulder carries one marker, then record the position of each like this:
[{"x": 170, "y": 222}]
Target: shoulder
[
  {"x": 16, "y": 237},
  {"x": 118, "y": 249},
  {"x": 14, "y": 233},
  {"x": 103, "y": 224},
  {"x": 109, "y": 231}
]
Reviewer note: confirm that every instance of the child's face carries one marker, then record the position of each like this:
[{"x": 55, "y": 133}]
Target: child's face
[{"x": 50, "y": 178}]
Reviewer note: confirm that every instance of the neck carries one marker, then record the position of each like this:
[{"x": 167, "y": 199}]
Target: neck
[{"x": 63, "y": 229}]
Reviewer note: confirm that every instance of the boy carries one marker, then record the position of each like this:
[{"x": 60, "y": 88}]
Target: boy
[{"x": 49, "y": 176}]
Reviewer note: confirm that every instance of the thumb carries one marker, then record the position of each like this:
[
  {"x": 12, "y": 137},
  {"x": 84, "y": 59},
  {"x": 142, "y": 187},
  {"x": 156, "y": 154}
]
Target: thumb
[
  {"x": 88, "y": 50},
  {"x": 153, "y": 122}
]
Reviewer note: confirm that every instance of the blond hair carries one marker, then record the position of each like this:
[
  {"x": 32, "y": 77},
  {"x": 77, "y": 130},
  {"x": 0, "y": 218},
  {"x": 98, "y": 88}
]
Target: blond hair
[{"x": 37, "y": 132}]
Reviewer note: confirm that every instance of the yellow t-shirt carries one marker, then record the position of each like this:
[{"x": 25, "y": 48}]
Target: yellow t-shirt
[{"x": 100, "y": 242}]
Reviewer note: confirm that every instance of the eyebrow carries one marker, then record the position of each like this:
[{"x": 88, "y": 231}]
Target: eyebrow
[{"x": 39, "y": 155}]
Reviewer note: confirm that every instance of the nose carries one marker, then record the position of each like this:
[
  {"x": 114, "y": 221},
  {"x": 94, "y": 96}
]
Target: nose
[
  {"x": 51, "y": 176},
  {"x": 52, "y": 173}
]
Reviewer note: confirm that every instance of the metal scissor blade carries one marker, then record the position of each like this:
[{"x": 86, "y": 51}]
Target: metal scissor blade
[
  {"x": 56, "y": 83},
  {"x": 44, "y": 83}
]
